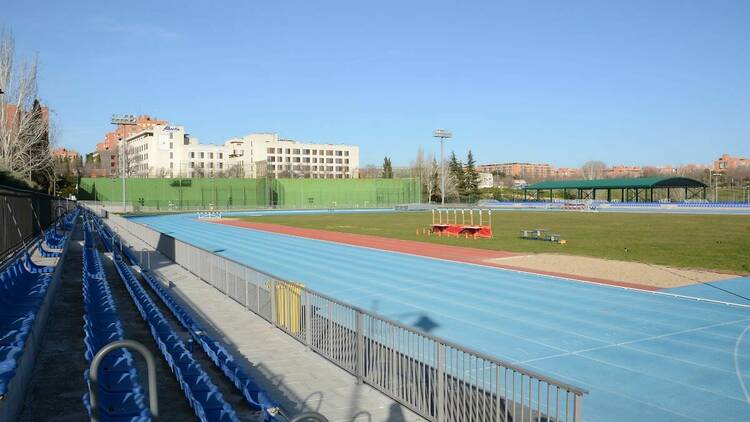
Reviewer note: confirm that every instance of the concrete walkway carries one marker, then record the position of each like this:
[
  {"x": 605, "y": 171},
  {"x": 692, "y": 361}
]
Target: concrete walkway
[{"x": 300, "y": 380}]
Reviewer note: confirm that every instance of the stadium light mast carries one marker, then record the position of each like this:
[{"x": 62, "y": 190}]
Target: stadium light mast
[
  {"x": 442, "y": 134},
  {"x": 716, "y": 185},
  {"x": 124, "y": 120}
]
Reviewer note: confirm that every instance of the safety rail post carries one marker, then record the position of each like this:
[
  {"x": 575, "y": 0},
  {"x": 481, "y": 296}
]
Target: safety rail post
[
  {"x": 440, "y": 390},
  {"x": 274, "y": 320},
  {"x": 360, "y": 347},
  {"x": 308, "y": 321},
  {"x": 577, "y": 407},
  {"x": 153, "y": 400}
]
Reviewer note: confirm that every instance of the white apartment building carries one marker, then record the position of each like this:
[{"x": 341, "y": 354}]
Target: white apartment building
[{"x": 168, "y": 151}]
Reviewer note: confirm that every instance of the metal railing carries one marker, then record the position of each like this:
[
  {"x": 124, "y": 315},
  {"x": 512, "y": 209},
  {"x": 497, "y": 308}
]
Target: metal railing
[
  {"x": 437, "y": 379},
  {"x": 24, "y": 214}
]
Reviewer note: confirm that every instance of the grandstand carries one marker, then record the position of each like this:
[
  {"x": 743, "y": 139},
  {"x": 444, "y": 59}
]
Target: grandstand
[{"x": 90, "y": 296}]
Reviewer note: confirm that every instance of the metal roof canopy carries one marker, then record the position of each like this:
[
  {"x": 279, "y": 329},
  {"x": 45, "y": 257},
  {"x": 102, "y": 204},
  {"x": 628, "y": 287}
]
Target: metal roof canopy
[{"x": 623, "y": 183}]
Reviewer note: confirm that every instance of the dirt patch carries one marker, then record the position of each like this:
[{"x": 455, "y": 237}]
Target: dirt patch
[{"x": 620, "y": 271}]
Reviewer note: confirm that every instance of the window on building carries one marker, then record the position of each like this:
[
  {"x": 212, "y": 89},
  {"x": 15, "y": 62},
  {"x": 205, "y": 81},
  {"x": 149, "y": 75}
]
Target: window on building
[
  {"x": 221, "y": 156},
  {"x": 329, "y": 152},
  {"x": 288, "y": 150},
  {"x": 203, "y": 165},
  {"x": 171, "y": 155},
  {"x": 221, "y": 165},
  {"x": 192, "y": 164},
  {"x": 339, "y": 153},
  {"x": 296, "y": 151},
  {"x": 338, "y": 161},
  {"x": 171, "y": 145},
  {"x": 346, "y": 153},
  {"x": 306, "y": 151},
  {"x": 171, "y": 165},
  {"x": 211, "y": 155},
  {"x": 192, "y": 155},
  {"x": 296, "y": 159},
  {"x": 202, "y": 155},
  {"x": 210, "y": 165},
  {"x": 346, "y": 161},
  {"x": 271, "y": 150}
]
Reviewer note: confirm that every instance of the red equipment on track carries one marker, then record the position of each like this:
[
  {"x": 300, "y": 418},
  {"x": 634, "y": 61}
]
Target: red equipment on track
[{"x": 441, "y": 226}]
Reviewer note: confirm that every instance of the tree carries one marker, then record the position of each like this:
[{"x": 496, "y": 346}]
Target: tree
[
  {"x": 433, "y": 184},
  {"x": 593, "y": 169},
  {"x": 426, "y": 168},
  {"x": 24, "y": 129},
  {"x": 471, "y": 178},
  {"x": 456, "y": 180},
  {"x": 387, "y": 168}
]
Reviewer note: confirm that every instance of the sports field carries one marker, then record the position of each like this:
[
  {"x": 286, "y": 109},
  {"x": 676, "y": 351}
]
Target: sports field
[
  {"x": 713, "y": 242},
  {"x": 642, "y": 356}
]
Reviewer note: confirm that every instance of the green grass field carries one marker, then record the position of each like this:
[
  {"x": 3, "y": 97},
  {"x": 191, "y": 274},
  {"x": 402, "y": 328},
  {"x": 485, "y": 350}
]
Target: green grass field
[{"x": 716, "y": 242}]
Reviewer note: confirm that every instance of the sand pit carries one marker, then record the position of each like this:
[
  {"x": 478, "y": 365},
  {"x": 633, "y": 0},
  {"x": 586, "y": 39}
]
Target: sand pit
[{"x": 622, "y": 271}]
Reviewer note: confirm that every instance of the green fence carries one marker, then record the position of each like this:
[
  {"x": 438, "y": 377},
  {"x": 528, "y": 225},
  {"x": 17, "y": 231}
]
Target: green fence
[{"x": 253, "y": 193}]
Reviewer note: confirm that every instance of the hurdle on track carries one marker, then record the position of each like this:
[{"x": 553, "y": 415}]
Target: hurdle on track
[{"x": 475, "y": 222}]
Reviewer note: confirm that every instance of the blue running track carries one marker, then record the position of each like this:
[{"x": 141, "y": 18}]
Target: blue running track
[{"x": 643, "y": 356}]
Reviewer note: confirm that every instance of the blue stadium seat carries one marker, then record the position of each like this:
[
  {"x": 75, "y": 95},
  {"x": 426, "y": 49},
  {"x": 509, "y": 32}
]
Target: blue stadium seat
[{"x": 121, "y": 397}]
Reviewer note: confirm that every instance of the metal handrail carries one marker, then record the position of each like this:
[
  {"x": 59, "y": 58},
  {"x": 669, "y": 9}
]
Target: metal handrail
[
  {"x": 150, "y": 364},
  {"x": 139, "y": 229},
  {"x": 509, "y": 365}
]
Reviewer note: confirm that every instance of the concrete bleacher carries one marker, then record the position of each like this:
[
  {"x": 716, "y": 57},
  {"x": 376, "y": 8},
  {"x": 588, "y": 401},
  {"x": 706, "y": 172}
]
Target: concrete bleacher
[{"x": 28, "y": 280}]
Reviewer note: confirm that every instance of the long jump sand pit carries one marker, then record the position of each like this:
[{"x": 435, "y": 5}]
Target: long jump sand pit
[{"x": 658, "y": 276}]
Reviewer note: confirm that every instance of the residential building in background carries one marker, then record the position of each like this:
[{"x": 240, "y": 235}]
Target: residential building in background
[
  {"x": 65, "y": 154},
  {"x": 727, "y": 162},
  {"x": 617, "y": 172},
  {"x": 155, "y": 148},
  {"x": 519, "y": 170},
  {"x": 486, "y": 180},
  {"x": 568, "y": 173}
]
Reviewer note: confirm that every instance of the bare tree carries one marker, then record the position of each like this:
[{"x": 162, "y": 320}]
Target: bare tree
[
  {"x": 24, "y": 124},
  {"x": 593, "y": 169}
]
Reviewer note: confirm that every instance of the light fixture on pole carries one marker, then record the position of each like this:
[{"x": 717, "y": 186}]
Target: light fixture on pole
[
  {"x": 123, "y": 120},
  {"x": 716, "y": 186},
  {"x": 442, "y": 134}
]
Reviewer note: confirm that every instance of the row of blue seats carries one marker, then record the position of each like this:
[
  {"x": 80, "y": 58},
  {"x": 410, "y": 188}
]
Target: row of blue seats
[
  {"x": 202, "y": 394},
  {"x": 120, "y": 395},
  {"x": 23, "y": 289},
  {"x": 222, "y": 358},
  {"x": 22, "y": 292}
]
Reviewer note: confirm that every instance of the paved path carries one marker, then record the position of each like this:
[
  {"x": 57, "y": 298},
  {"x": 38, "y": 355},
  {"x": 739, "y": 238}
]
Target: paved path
[{"x": 297, "y": 378}]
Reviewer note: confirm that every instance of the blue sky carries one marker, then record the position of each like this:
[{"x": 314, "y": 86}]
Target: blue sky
[{"x": 628, "y": 82}]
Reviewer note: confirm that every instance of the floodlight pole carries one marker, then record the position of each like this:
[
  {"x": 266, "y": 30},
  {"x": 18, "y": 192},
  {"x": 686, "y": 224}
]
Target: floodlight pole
[
  {"x": 716, "y": 186},
  {"x": 443, "y": 135},
  {"x": 123, "y": 121}
]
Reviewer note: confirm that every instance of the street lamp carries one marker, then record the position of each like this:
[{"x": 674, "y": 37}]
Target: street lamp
[
  {"x": 442, "y": 134},
  {"x": 124, "y": 120},
  {"x": 716, "y": 186}
]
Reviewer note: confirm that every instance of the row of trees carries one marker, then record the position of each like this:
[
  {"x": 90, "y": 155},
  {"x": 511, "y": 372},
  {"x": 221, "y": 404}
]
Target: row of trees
[{"x": 25, "y": 136}]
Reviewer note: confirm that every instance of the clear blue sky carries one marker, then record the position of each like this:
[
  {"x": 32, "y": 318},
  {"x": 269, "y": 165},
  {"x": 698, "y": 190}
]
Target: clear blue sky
[{"x": 628, "y": 82}]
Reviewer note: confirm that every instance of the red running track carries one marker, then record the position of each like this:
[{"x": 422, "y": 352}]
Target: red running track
[{"x": 431, "y": 250}]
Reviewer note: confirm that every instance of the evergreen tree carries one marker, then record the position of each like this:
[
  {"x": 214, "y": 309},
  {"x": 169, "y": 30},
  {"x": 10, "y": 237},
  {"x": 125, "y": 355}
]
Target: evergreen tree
[
  {"x": 456, "y": 175},
  {"x": 471, "y": 178},
  {"x": 387, "y": 168}
]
